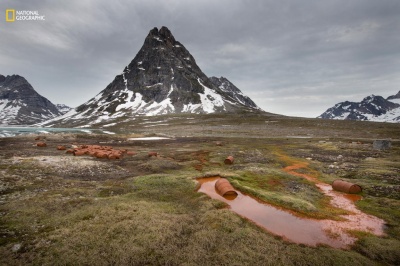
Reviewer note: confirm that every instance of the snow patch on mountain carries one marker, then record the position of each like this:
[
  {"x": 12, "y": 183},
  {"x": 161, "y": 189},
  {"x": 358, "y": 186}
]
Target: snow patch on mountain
[
  {"x": 210, "y": 99},
  {"x": 395, "y": 101},
  {"x": 191, "y": 108},
  {"x": 9, "y": 110}
]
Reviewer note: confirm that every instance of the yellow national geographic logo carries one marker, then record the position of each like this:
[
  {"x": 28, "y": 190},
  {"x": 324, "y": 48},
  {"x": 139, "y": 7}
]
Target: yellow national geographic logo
[
  {"x": 10, "y": 15},
  {"x": 23, "y": 15}
]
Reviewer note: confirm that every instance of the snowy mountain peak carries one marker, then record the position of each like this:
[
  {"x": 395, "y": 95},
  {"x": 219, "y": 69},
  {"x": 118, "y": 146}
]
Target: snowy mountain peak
[
  {"x": 369, "y": 98},
  {"x": 163, "y": 78},
  {"x": 20, "y": 104},
  {"x": 371, "y": 108}
]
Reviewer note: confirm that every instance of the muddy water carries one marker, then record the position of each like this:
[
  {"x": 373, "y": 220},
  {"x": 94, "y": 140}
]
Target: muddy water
[
  {"x": 286, "y": 224},
  {"x": 357, "y": 220}
]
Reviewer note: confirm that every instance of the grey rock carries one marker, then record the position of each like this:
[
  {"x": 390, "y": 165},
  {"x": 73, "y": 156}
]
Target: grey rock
[
  {"x": 63, "y": 108},
  {"x": 382, "y": 144},
  {"x": 16, "y": 247}
]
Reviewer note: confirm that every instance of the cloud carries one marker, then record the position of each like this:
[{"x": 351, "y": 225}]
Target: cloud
[{"x": 287, "y": 55}]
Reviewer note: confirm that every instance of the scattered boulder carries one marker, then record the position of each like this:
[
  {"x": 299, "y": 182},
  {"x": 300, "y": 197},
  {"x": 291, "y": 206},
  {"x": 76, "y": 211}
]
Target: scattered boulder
[
  {"x": 382, "y": 144},
  {"x": 61, "y": 148},
  {"x": 16, "y": 247}
]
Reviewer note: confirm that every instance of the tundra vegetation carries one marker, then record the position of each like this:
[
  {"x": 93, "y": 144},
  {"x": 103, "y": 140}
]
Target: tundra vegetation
[{"x": 60, "y": 209}]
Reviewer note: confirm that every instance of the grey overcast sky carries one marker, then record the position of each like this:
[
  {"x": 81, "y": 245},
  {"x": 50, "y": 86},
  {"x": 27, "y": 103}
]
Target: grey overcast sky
[{"x": 291, "y": 57}]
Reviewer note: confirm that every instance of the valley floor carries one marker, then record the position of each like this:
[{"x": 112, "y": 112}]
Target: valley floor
[{"x": 60, "y": 209}]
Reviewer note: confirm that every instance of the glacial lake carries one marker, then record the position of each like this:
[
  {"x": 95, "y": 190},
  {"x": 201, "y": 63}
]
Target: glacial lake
[{"x": 15, "y": 131}]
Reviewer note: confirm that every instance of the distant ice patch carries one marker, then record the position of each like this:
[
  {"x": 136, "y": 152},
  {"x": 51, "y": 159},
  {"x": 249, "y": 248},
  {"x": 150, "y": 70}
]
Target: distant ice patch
[{"x": 149, "y": 138}]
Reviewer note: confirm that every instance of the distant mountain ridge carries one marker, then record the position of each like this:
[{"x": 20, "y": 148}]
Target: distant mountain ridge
[
  {"x": 394, "y": 98},
  {"x": 163, "y": 78},
  {"x": 20, "y": 104},
  {"x": 63, "y": 108},
  {"x": 371, "y": 108}
]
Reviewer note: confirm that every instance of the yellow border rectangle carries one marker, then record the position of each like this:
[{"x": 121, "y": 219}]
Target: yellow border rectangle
[{"x": 12, "y": 11}]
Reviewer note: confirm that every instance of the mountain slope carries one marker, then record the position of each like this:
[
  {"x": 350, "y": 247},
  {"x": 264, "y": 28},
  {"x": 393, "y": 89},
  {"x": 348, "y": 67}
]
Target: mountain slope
[
  {"x": 394, "y": 98},
  {"x": 371, "y": 108},
  {"x": 163, "y": 78},
  {"x": 232, "y": 92},
  {"x": 20, "y": 104}
]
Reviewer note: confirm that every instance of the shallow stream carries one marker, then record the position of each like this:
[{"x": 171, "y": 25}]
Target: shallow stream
[
  {"x": 299, "y": 229},
  {"x": 10, "y": 131}
]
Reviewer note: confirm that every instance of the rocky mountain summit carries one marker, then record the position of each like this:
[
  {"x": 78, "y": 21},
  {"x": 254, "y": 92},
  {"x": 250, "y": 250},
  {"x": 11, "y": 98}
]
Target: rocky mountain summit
[
  {"x": 63, "y": 108},
  {"x": 20, "y": 104},
  {"x": 371, "y": 108},
  {"x": 163, "y": 78}
]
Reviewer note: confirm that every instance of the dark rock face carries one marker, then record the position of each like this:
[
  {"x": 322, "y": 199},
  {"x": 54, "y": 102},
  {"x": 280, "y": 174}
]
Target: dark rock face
[
  {"x": 161, "y": 63},
  {"x": 20, "y": 104},
  {"x": 162, "y": 78},
  {"x": 395, "y": 97},
  {"x": 371, "y": 108},
  {"x": 382, "y": 144},
  {"x": 63, "y": 108}
]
